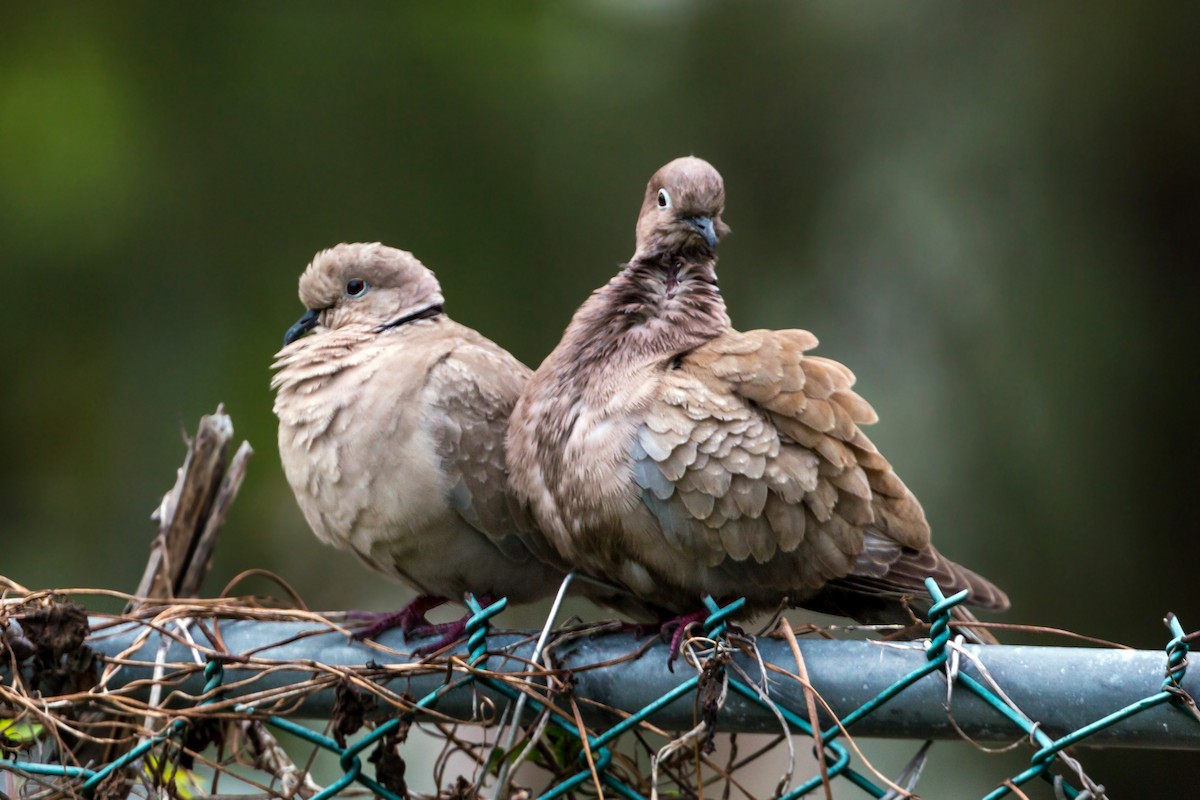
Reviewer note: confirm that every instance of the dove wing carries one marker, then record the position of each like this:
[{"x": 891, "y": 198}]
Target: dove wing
[
  {"x": 472, "y": 391},
  {"x": 751, "y": 457}
]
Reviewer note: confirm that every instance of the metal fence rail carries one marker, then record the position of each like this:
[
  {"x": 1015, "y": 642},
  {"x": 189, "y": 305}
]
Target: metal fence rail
[
  {"x": 937, "y": 689},
  {"x": 1062, "y": 687}
]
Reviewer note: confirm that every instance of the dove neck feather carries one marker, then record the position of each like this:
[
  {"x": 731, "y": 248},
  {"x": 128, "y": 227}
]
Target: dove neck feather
[
  {"x": 657, "y": 306},
  {"x": 309, "y": 362}
]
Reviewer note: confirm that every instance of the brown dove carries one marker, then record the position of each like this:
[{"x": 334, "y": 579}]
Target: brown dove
[
  {"x": 662, "y": 450},
  {"x": 391, "y": 432}
]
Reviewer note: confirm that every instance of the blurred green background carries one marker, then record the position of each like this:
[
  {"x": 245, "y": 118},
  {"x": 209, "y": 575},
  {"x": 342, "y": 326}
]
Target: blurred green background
[{"x": 990, "y": 212}]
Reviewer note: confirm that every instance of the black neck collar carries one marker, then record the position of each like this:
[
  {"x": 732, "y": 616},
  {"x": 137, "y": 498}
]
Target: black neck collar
[{"x": 425, "y": 313}]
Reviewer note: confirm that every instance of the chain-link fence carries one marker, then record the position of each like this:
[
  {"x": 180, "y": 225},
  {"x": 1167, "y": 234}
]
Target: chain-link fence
[{"x": 192, "y": 696}]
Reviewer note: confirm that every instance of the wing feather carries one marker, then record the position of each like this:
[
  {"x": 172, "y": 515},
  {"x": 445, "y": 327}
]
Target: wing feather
[
  {"x": 472, "y": 391},
  {"x": 752, "y": 452}
]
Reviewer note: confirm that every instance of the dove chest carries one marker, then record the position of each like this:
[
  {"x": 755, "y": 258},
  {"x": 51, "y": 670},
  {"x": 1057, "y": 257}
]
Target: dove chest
[
  {"x": 362, "y": 464},
  {"x": 595, "y": 495}
]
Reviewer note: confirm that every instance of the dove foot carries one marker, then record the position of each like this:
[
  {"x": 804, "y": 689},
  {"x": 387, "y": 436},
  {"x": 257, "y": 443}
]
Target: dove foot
[
  {"x": 450, "y": 632},
  {"x": 677, "y": 627},
  {"x": 409, "y": 619}
]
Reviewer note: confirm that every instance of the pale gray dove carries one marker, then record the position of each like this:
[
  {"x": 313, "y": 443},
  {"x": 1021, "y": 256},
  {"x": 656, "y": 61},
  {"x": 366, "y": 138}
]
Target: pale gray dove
[
  {"x": 391, "y": 433},
  {"x": 664, "y": 451}
]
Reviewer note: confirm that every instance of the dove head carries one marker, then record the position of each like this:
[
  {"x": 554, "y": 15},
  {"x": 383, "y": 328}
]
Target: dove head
[
  {"x": 365, "y": 284},
  {"x": 682, "y": 210}
]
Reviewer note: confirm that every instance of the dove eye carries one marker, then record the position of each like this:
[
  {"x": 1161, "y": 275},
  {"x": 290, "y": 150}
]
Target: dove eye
[
  {"x": 664, "y": 199},
  {"x": 356, "y": 287}
]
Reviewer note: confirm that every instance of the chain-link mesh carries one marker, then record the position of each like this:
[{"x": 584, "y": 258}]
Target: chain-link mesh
[{"x": 68, "y": 725}]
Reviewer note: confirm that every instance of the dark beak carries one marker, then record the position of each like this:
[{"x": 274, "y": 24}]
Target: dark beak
[
  {"x": 704, "y": 227},
  {"x": 302, "y": 326}
]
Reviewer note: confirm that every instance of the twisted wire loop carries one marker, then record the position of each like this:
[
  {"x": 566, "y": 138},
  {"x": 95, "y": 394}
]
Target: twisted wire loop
[
  {"x": 477, "y": 629},
  {"x": 1177, "y": 664},
  {"x": 1171, "y": 692},
  {"x": 935, "y": 653},
  {"x": 596, "y": 758}
]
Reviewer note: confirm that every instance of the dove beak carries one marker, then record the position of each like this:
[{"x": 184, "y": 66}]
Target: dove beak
[
  {"x": 704, "y": 227},
  {"x": 302, "y": 326}
]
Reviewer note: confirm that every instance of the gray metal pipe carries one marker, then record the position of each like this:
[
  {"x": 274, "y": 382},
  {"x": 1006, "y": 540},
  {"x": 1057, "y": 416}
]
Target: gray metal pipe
[{"x": 1063, "y": 688}]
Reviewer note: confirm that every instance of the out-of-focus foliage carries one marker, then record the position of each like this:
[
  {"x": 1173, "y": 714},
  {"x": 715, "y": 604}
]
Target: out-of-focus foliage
[{"x": 990, "y": 212}]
